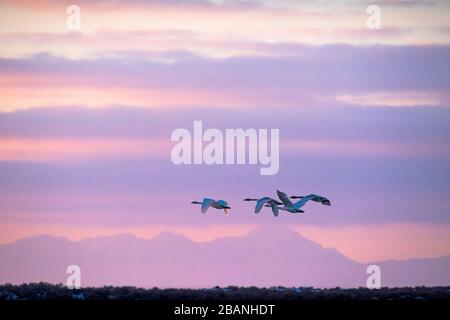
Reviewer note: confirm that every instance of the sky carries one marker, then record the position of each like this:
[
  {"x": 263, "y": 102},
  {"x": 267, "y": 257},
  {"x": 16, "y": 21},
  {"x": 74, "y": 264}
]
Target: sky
[{"x": 364, "y": 117}]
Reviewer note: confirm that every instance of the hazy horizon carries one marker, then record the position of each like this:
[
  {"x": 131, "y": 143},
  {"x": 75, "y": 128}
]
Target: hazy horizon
[{"x": 170, "y": 260}]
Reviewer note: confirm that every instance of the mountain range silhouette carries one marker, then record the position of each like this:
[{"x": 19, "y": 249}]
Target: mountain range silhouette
[{"x": 267, "y": 256}]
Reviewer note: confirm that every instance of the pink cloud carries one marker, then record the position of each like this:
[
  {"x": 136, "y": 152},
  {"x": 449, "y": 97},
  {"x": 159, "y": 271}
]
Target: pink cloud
[{"x": 71, "y": 150}]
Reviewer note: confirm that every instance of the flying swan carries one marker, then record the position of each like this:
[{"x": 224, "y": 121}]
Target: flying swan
[
  {"x": 267, "y": 202},
  {"x": 296, "y": 207},
  {"x": 207, "y": 202}
]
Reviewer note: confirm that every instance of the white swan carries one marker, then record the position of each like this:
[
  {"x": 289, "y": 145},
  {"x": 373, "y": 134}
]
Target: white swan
[
  {"x": 295, "y": 207},
  {"x": 207, "y": 202},
  {"x": 313, "y": 197},
  {"x": 267, "y": 202}
]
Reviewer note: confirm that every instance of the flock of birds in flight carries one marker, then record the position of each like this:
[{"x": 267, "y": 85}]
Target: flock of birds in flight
[{"x": 284, "y": 204}]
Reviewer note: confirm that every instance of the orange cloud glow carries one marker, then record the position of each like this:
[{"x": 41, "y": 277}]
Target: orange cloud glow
[{"x": 310, "y": 24}]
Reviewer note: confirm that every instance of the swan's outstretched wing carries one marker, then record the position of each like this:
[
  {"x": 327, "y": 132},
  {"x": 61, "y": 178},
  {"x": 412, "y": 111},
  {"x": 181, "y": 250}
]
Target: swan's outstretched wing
[
  {"x": 260, "y": 203},
  {"x": 285, "y": 199},
  {"x": 206, "y": 204},
  {"x": 274, "y": 209},
  {"x": 300, "y": 203},
  {"x": 313, "y": 197},
  {"x": 222, "y": 203}
]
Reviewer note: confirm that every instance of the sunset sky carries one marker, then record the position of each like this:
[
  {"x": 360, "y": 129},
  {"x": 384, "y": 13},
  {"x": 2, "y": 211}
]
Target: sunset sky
[{"x": 364, "y": 118}]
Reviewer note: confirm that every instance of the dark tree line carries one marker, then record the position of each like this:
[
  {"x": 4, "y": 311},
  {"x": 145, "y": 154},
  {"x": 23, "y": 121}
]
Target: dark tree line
[{"x": 45, "y": 291}]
